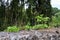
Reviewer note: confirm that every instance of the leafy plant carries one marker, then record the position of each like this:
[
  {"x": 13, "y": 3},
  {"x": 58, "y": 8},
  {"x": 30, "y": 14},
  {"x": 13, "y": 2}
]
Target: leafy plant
[
  {"x": 12, "y": 29},
  {"x": 55, "y": 21},
  {"x": 40, "y": 26},
  {"x": 42, "y": 19},
  {"x": 27, "y": 27}
]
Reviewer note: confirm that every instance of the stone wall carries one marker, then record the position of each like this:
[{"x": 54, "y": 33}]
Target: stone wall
[{"x": 30, "y": 35}]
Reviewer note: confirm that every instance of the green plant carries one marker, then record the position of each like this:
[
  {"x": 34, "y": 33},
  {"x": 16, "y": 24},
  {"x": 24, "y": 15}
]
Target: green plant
[
  {"x": 42, "y": 19},
  {"x": 27, "y": 27},
  {"x": 40, "y": 26},
  {"x": 12, "y": 29},
  {"x": 55, "y": 21}
]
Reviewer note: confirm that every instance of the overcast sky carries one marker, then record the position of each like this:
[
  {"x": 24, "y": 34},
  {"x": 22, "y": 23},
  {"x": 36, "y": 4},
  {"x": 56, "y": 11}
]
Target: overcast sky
[{"x": 55, "y": 3}]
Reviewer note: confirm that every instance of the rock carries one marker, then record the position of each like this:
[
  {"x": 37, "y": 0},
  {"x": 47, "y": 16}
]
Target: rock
[{"x": 29, "y": 35}]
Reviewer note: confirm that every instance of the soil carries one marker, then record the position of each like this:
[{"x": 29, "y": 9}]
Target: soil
[{"x": 50, "y": 30}]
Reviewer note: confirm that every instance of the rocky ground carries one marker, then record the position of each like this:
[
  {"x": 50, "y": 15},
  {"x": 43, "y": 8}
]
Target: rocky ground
[{"x": 42, "y": 34}]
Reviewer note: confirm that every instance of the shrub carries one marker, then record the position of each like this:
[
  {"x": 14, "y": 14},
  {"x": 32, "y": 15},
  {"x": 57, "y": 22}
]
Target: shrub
[
  {"x": 55, "y": 21},
  {"x": 12, "y": 29},
  {"x": 42, "y": 19},
  {"x": 27, "y": 27},
  {"x": 40, "y": 26},
  {"x": 43, "y": 24}
]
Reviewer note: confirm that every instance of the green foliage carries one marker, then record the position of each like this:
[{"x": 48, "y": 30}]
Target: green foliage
[
  {"x": 55, "y": 10},
  {"x": 27, "y": 27},
  {"x": 42, "y": 19},
  {"x": 12, "y": 29},
  {"x": 40, "y": 26},
  {"x": 56, "y": 20},
  {"x": 16, "y": 14}
]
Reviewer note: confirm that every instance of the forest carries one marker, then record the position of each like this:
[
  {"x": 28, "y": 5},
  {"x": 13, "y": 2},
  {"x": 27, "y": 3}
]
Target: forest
[{"x": 16, "y": 15}]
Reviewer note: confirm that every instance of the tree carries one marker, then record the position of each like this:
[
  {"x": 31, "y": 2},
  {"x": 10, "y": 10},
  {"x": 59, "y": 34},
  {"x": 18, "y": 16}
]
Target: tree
[
  {"x": 14, "y": 11},
  {"x": 16, "y": 14},
  {"x": 55, "y": 10},
  {"x": 2, "y": 14}
]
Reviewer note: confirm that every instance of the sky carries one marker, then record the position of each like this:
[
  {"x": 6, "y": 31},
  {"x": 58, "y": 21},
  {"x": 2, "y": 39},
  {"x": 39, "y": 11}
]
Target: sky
[{"x": 55, "y": 3}]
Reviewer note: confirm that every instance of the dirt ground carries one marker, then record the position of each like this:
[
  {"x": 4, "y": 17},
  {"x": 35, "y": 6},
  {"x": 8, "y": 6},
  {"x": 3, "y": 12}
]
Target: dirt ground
[{"x": 57, "y": 30}]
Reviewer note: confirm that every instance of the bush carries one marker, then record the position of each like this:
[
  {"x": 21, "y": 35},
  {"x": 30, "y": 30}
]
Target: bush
[
  {"x": 40, "y": 26},
  {"x": 12, "y": 29},
  {"x": 27, "y": 27},
  {"x": 55, "y": 21},
  {"x": 42, "y": 19},
  {"x": 43, "y": 24}
]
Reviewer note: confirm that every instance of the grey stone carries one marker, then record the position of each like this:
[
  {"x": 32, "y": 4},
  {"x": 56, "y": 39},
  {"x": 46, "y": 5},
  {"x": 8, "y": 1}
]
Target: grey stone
[{"x": 29, "y": 35}]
